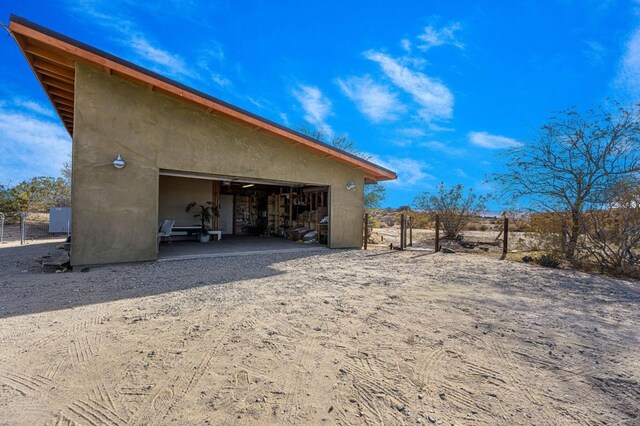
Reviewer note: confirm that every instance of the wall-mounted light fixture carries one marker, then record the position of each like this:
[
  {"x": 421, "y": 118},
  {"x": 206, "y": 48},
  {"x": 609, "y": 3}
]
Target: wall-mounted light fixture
[
  {"x": 249, "y": 185},
  {"x": 350, "y": 186},
  {"x": 119, "y": 163}
]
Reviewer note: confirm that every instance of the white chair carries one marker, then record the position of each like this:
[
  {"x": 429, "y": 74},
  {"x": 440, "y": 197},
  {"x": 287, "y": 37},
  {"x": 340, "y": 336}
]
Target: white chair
[{"x": 165, "y": 232}]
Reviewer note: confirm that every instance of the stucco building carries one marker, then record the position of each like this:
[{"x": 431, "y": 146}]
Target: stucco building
[{"x": 181, "y": 145}]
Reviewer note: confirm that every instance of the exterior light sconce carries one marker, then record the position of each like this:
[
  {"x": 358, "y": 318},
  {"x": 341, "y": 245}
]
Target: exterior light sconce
[
  {"x": 119, "y": 163},
  {"x": 350, "y": 186}
]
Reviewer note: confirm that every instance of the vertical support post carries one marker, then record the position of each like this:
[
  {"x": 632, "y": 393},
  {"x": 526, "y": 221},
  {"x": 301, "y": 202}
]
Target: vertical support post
[
  {"x": 23, "y": 226},
  {"x": 410, "y": 231},
  {"x": 403, "y": 231},
  {"x": 1, "y": 227},
  {"x": 437, "y": 248},
  {"x": 290, "y": 227},
  {"x": 505, "y": 236},
  {"x": 366, "y": 229}
]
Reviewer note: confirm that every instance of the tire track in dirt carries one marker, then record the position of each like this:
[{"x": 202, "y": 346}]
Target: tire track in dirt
[
  {"x": 84, "y": 348},
  {"x": 515, "y": 381},
  {"x": 429, "y": 365},
  {"x": 377, "y": 396},
  {"x": 98, "y": 408},
  {"x": 302, "y": 366},
  {"x": 26, "y": 384},
  {"x": 167, "y": 394}
]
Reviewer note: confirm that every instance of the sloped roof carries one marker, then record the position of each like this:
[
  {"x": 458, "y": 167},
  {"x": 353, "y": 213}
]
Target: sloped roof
[{"x": 52, "y": 57}]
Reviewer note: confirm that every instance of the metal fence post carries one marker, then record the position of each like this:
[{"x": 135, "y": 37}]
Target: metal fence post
[
  {"x": 23, "y": 226},
  {"x": 366, "y": 229},
  {"x": 505, "y": 241},
  {"x": 1, "y": 227},
  {"x": 437, "y": 244}
]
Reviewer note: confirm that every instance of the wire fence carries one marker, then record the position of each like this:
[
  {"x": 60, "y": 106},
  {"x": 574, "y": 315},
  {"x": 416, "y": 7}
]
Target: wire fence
[
  {"x": 490, "y": 235},
  {"x": 25, "y": 227}
]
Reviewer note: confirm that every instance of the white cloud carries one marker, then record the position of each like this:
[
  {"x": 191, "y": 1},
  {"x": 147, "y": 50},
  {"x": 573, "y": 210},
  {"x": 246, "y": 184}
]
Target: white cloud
[
  {"x": 255, "y": 102},
  {"x": 168, "y": 62},
  {"x": 405, "y": 43},
  {"x": 460, "y": 173},
  {"x": 221, "y": 80},
  {"x": 411, "y": 132},
  {"x": 433, "y": 37},
  {"x": 434, "y": 98},
  {"x": 374, "y": 100},
  {"x": 628, "y": 77},
  {"x": 34, "y": 107},
  {"x": 435, "y": 128},
  {"x": 316, "y": 106},
  {"x": 444, "y": 148},
  {"x": 486, "y": 140},
  {"x": 594, "y": 51},
  {"x": 127, "y": 34},
  {"x": 411, "y": 172},
  {"x": 31, "y": 144}
]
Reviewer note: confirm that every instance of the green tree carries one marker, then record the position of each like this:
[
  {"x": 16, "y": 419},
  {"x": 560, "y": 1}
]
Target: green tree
[
  {"x": 454, "y": 207},
  {"x": 374, "y": 195},
  {"x": 572, "y": 164},
  {"x": 39, "y": 194},
  {"x": 5, "y": 199}
]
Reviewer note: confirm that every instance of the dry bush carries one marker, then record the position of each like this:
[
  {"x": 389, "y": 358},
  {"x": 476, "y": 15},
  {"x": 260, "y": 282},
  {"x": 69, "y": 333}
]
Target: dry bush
[
  {"x": 454, "y": 205},
  {"x": 422, "y": 220},
  {"x": 613, "y": 233},
  {"x": 545, "y": 232}
]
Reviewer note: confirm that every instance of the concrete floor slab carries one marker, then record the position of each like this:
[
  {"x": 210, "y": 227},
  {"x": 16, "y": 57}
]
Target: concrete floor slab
[{"x": 231, "y": 245}]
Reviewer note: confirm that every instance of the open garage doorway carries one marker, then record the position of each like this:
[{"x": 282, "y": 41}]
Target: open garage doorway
[{"x": 248, "y": 215}]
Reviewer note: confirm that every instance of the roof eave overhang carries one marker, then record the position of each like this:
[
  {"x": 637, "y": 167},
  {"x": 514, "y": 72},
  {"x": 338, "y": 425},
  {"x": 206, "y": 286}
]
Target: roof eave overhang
[{"x": 53, "y": 56}]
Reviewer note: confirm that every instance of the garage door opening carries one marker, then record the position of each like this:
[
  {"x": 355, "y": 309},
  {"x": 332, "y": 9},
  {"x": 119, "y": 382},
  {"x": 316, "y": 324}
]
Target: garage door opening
[{"x": 249, "y": 215}]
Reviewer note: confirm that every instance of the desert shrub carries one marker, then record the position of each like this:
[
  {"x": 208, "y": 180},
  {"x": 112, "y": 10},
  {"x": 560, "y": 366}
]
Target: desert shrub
[
  {"x": 422, "y": 220},
  {"x": 548, "y": 229},
  {"x": 389, "y": 221},
  {"x": 548, "y": 260},
  {"x": 454, "y": 207},
  {"x": 613, "y": 232}
]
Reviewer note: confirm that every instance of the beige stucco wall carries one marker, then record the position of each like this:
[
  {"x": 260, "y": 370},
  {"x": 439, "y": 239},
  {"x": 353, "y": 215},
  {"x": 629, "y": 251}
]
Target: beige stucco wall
[
  {"x": 176, "y": 192},
  {"x": 115, "y": 212}
]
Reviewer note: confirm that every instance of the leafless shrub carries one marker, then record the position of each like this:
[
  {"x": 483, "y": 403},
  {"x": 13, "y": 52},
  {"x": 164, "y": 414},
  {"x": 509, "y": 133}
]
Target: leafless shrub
[{"x": 613, "y": 232}]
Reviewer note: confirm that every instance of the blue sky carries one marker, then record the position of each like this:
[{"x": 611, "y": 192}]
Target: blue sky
[{"x": 433, "y": 90}]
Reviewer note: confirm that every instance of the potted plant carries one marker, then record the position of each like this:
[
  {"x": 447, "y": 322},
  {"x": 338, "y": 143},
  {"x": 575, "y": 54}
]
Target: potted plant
[{"x": 207, "y": 212}]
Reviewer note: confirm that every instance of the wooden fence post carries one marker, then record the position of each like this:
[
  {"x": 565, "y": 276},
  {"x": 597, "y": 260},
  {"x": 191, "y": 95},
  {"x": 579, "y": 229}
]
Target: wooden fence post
[
  {"x": 505, "y": 236},
  {"x": 366, "y": 229},
  {"x": 410, "y": 231},
  {"x": 403, "y": 230},
  {"x": 437, "y": 248}
]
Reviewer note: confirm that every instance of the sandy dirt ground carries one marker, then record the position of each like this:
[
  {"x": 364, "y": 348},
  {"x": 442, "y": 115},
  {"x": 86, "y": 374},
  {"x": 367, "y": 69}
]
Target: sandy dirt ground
[{"x": 338, "y": 337}]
